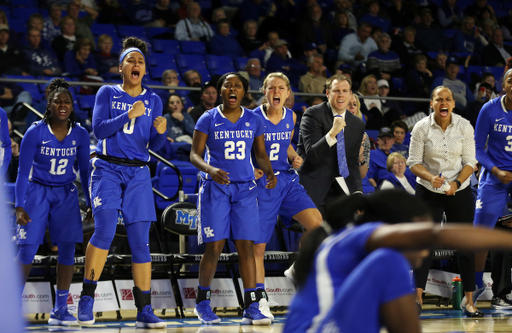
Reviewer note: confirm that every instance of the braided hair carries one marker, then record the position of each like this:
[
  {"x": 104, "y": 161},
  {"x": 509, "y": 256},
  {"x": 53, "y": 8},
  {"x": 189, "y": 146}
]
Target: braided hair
[{"x": 58, "y": 85}]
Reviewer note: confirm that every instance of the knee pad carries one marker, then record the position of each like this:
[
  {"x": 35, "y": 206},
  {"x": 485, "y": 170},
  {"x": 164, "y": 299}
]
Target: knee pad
[
  {"x": 27, "y": 252},
  {"x": 105, "y": 222},
  {"x": 138, "y": 239},
  {"x": 66, "y": 253}
]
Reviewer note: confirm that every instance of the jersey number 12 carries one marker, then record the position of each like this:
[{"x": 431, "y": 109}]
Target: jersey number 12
[{"x": 61, "y": 168}]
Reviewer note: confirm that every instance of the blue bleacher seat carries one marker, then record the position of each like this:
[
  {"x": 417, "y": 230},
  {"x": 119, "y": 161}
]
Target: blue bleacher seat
[
  {"x": 192, "y": 47},
  {"x": 496, "y": 4},
  {"x": 507, "y": 5},
  {"x": 432, "y": 55},
  {"x": 166, "y": 46},
  {"x": 23, "y": 12},
  {"x": 162, "y": 60},
  {"x": 373, "y": 134},
  {"x": 398, "y": 83},
  {"x": 18, "y": 25},
  {"x": 240, "y": 63},
  {"x": 191, "y": 61},
  {"x": 231, "y": 3},
  {"x": 32, "y": 88},
  {"x": 205, "y": 75},
  {"x": 24, "y": 3},
  {"x": 476, "y": 70},
  {"x": 86, "y": 102},
  {"x": 156, "y": 72},
  {"x": 151, "y": 32},
  {"x": 450, "y": 33},
  {"x": 168, "y": 181},
  {"x": 98, "y": 29},
  {"x": 131, "y": 30},
  {"x": 496, "y": 71},
  {"x": 216, "y": 61}
]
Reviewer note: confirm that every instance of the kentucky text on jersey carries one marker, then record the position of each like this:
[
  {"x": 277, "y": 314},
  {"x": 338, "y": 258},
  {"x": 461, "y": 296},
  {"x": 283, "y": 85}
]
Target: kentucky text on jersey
[
  {"x": 126, "y": 107},
  {"x": 503, "y": 128},
  {"x": 243, "y": 134},
  {"x": 49, "y": 151},
  {"x": 278, "y": 136}
]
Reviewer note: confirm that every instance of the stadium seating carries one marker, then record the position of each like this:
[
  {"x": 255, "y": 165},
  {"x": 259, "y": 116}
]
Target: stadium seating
[
  {"x": 219, "y": 64},
  {"x": 131, "y": 30},
  {"x": 98, "y": 29},
  {"x": 192, "y": 47},
  {"x": 166, "y": 46},
  {"x": 168, "y": 181}
]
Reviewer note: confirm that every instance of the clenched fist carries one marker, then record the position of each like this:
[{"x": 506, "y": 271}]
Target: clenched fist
[{"x": 160, "y": 124}]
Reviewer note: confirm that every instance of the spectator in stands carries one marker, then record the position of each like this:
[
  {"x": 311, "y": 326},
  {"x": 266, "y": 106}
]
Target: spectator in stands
[
  {"x": 253, "y": 68},
  {"x": 347, "y": 6},
  {"x": 169, "y": 78},
  {"x": 429, "y": 35},
  {"x": 256, "y": 10},
  {"x": 383, "y": 63},
  {"x": 193, "y": 78},
  {"x": 469, "y": 39},
  {"x": 208, "y": 101},
  {"x": 496, "y": 53},
  {"x": 308, "y": 50},
  {"x": 400, "y": 129},
  {"x": 483, "y": 95},
  {"x": 355, "y": 48},
  {"x": 180, "y": 125},
  {"x": 407, "y": 49},
  {"x": 372, "y": 16},
  {"x": 369, "y": 88},
  {"x": 249, "y": 40},
  {"x": 12, "y": 59},
  {"x": 36, "y": 21},
  {"x": 442, "y": 151},
  {"x": 225, "y": 44},
  {"x": 51, "y": 27},
  {"x": 396, "y": 176},
  {"x": 66, "y": 41},
  {"x": 400, "y": 14},
  {"x": 439, "y": 66},
  {"x": 182, "y": 10},
  {"x": 314, "y": 80},
  {"x": 490, "y": 79},
  {"x": 163, "y": 13},
  {"x": 80, "y": 61},
  {"x": 390, "y": 109},
  {"x": 340, "y": 28},
  {"x": 378, "y": 157},
  {"x": 460, "y": 89},
  {"x": 486, "y": 29},
  {"x": 112, "y": 13},
  {"x": 83, "y": 24},
  {"x": 418, "y": 82},
  {"x": 193, "y": 27},
  {"x": 506, "y": 26},
  {"x": 315, "y": 29},
  {"x": 478, "y": 9},
  {"x": 450, "y": 15},
  {"x": 217, "y": 15},
  {"x": 265, "y": 51},
  {"x": 107, "y": 62},
  {"x": 40, "y": 61},
  {"x": 279, "y": 61},
  {"x": 140, "y": 13}
]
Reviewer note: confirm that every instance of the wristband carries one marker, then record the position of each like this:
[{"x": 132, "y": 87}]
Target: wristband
[{"x": 458, "y": 183}]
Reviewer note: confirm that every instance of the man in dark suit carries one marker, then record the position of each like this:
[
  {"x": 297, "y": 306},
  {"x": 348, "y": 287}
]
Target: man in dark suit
[
  {"x": 318, "y": 145},
  {"x": 496, "y": 53}
]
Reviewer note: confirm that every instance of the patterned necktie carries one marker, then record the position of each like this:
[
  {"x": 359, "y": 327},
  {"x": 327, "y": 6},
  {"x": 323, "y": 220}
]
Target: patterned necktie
[{"x": 342, "y": 158}]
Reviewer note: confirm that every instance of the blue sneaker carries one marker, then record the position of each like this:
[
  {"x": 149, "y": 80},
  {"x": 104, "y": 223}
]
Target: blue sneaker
[
  {"x": 147, "y": 319},
  {"x": 204, "y": 312},
  {"x": 253, "y": 316},
  {"x": 85, "y": 315},
  {"x": 62, "y": 317}
]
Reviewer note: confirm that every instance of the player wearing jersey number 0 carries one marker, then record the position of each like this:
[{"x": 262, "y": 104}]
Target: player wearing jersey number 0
[
  {"x": 46, "y": 195},
  {"x": 127, "y": 120},
  {"x": 289, "y": 199},
  {"x": 227, "y": 202}
]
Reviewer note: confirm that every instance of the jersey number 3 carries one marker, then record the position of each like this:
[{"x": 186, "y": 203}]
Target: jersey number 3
[
  {"x": 229, "y": 150},
  {"x": 58, "y": 169}
]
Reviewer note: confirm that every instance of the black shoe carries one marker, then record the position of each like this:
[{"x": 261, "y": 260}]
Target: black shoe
[
  {"x": 501, "y": 303},
  {"x": 475, "y": 314}
]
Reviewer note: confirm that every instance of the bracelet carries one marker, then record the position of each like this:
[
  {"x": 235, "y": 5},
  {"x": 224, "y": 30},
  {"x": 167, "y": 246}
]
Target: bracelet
[
  {"x": 458, "y": 183},
  {"x": 362, "y": 163}
]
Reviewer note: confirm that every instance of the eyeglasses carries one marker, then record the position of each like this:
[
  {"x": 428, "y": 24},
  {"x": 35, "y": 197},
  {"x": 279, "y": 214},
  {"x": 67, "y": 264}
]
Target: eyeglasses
[{"x": 255, "y": 66}]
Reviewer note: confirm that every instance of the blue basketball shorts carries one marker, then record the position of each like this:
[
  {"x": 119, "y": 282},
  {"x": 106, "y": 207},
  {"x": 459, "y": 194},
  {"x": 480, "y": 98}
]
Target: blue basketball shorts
[
  {"x": 491, "y": 199},
  {"x": 125, "y": 188},
  {"x": 55, "y": 207},
  {"x": 287, "y": 199},
  {"x": 227, "y": 211}
]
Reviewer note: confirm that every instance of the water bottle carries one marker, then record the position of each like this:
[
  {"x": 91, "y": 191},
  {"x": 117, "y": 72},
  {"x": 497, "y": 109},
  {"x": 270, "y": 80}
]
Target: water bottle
[{"x": 456, "y": 293}]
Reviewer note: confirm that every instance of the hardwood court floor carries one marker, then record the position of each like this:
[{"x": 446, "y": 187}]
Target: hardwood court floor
[{"x": 433, "y": 319}]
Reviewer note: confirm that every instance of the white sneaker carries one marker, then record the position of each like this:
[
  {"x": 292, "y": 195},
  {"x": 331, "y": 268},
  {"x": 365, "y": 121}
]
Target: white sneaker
[
  {"x": 265, "y": 309},
  {"x": 290, "y": 272}
]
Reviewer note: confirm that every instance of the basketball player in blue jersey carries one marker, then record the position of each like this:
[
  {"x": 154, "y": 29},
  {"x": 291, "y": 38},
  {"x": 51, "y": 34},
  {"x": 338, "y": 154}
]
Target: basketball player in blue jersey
[
  {"x": 289, "y": 199},
  {"x": 493, "y": 129},
  {"x": 325, "y": 262},
  {"x": 127, "y": 120},
  {"x": 227, "y": 202},
  {"x": 46, "y": 195},
  {"x": 5, "y": 143}
]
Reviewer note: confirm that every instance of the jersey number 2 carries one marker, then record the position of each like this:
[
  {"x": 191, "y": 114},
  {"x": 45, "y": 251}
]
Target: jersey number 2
[
  {"x": 61, "y": 168},
  {"x": 274, "y": 152},
  {"x": 229, "y": 152}
]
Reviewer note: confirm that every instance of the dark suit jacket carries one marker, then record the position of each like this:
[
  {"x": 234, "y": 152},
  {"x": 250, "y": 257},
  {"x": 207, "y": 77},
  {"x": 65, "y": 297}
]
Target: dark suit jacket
[
  {"x": 492, "y": 57},
  {"x": 320, "y": 166}
]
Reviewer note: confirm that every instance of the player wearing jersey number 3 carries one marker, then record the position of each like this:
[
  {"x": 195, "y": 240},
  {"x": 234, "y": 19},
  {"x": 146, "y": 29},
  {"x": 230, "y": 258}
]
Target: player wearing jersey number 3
[
  {"x": 227, "y": 202},
  {"x": 289, "y": 199},
  {"x": 127, "y": 120}
]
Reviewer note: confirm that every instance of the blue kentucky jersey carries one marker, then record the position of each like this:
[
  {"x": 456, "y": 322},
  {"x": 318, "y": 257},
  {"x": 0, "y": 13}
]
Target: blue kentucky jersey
[
  {"x": 48, "y": 161},
  {"x": 495, "y": 123},
  {"x": 118, "y": 135},
  {"x": 278, "y": 138},
  {"x": 229, "y": 145}
]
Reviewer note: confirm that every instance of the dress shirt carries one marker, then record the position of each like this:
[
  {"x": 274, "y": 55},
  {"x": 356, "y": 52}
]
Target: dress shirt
[{"x": 442, "y": 152}]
